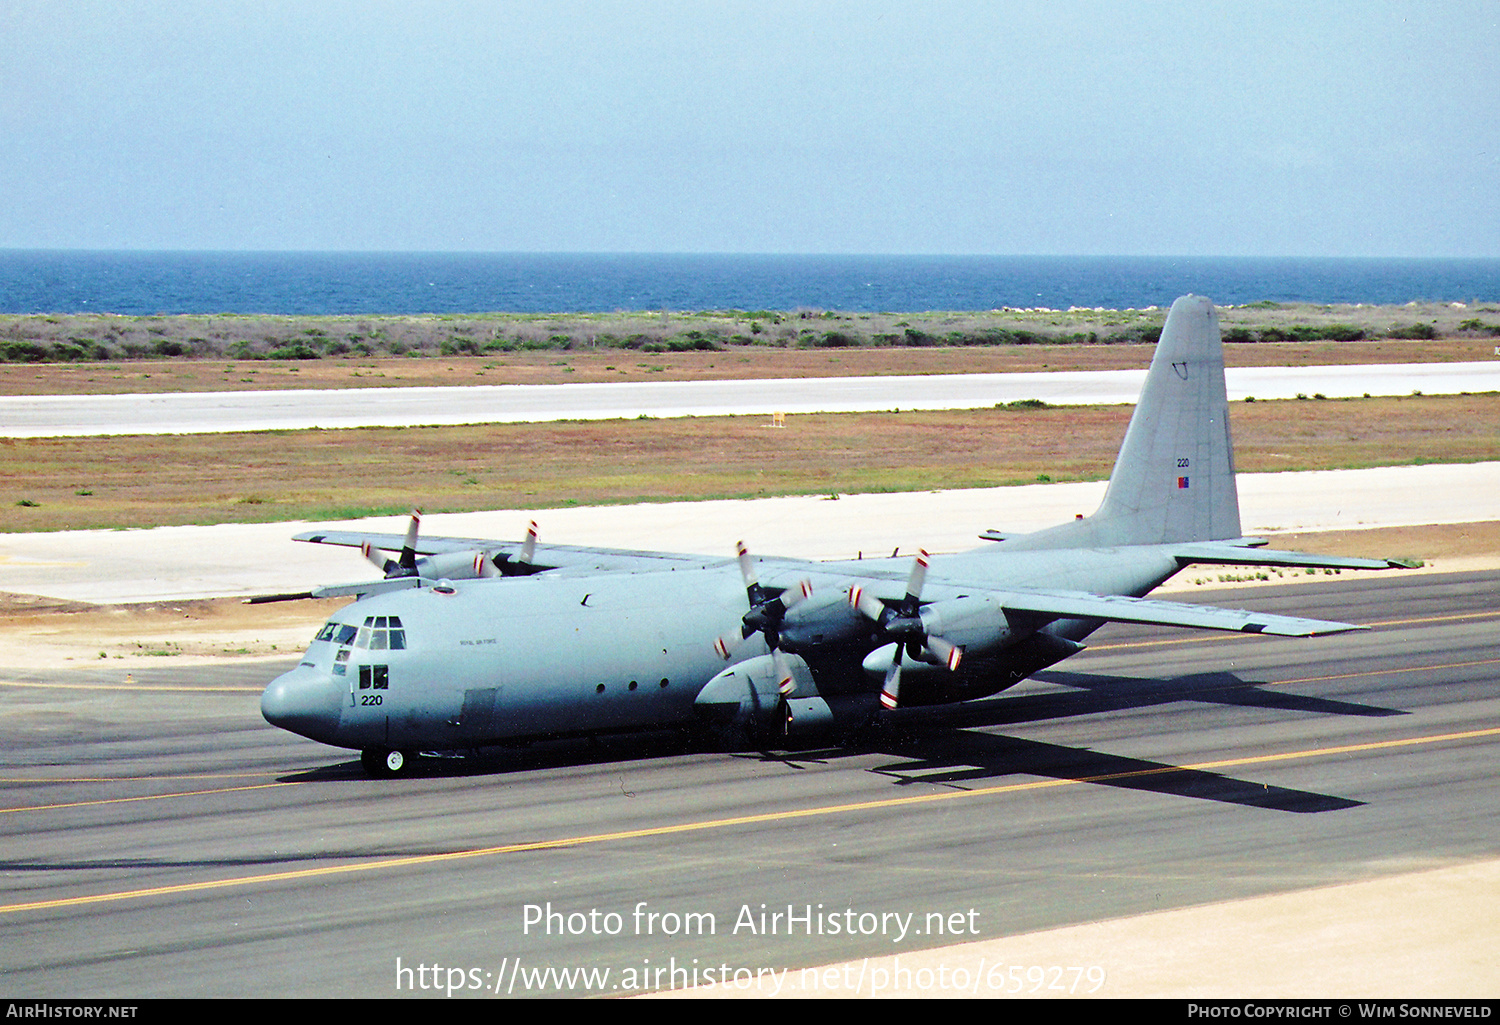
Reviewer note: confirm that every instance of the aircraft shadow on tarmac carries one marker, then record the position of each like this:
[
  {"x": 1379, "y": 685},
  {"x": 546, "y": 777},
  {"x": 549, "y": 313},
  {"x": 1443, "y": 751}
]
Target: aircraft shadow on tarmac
[
  {"x": 964, "y": 759},
  {"x": 1095, "y": 693},
  {"x": 941, "y": 745}
]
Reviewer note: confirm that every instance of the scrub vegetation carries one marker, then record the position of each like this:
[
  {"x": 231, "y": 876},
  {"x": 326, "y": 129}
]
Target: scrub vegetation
[{"x": 258, "y": 351}]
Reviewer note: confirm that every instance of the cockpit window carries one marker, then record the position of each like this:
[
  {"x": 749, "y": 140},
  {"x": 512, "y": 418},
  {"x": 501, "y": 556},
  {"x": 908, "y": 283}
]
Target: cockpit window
[
  {"x": 378, "y": 633},
  {"x": 339, "y": 633}
]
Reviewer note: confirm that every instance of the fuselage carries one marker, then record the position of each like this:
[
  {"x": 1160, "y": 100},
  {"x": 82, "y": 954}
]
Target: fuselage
[{"x": 477, "y": 662}]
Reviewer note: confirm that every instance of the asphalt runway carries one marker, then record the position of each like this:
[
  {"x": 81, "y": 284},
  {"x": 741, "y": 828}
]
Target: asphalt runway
[
  {"x": 36, "y": 416},
  {"x": 161, "y": 840}
]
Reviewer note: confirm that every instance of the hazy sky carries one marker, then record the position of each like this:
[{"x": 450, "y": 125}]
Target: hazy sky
[{"x": 1309, "y": 128}]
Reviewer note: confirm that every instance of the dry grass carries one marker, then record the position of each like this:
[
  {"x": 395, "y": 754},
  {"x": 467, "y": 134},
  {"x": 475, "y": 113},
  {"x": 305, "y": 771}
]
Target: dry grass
[{"x": 282, "y": 475}]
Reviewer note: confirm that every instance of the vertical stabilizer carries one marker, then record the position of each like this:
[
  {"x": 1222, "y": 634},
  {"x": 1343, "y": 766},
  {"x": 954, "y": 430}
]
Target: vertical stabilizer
[{"x": 1174, "y": 478}]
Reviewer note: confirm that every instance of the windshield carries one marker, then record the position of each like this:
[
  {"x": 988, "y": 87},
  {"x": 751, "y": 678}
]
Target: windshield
[{"x": 379, "y": 633}]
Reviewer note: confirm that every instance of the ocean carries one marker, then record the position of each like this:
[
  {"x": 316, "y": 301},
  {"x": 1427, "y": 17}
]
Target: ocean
[{"x": 146, "y": 283}]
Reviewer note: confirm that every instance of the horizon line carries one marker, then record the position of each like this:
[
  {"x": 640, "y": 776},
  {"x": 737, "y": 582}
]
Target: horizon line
[{"x": 17, "y": 250}]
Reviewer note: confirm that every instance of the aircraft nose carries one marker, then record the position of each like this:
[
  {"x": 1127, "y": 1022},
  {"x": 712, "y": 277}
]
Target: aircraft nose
[{"x": 304, "y": 701}]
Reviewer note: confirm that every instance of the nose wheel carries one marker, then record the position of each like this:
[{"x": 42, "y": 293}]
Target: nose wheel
[{"x": 384, "y": 763}]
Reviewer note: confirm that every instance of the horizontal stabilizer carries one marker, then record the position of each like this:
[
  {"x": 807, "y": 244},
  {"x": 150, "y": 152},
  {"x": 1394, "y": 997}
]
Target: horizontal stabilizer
[
  {"x": 1232, "y": 553},
  {"x": 340, "y": 590},
  {"x": 390, "y": 542},
  {"x": 370, "y": 587},
  {"x": 1124, "y": 609},
  {"x": 266, "y": 599}
]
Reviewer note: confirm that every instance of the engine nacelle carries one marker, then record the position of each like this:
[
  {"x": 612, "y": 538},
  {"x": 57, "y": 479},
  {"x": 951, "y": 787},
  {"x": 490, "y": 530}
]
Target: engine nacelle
[
  {"x": 825, "y": 618},
  {"x": 976, "y": 623},
  {"x": 978, "y": 676},
  {"x": 456, "y": 566},
  {"x": 744, "y": 702}
]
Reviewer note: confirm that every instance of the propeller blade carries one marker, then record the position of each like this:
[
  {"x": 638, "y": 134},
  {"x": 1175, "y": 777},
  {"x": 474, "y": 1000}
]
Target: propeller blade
[
  {"x": 794, "y": 596},
  {"x": 528, "y": 547},
  {"x": 409, "y": 549},
  {"x": 916, "y": 580},
  {"x": 726, "y": 643},
  {"x": 784, "y": 682},
  {"x": 747, "y": 569},
  {"x": 866, "y": 605},
  {"x": 484, "y": 565},
  {"x": 890, "y": 693},
  {"x": 946, "y": 653},
  {"x": 378, "y": 557}
]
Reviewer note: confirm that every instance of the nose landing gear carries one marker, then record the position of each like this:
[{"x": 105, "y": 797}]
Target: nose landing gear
[{"x": 384, "y": 763}]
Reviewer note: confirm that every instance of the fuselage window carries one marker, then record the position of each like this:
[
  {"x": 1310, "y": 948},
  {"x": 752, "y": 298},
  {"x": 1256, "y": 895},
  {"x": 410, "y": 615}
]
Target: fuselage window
[{"x": 374, "y": 677}]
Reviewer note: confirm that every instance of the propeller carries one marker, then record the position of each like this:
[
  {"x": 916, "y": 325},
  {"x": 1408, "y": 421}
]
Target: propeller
[
  {"x": 465, "y": 565},
  {"x": 902, "y": 623},
  {"x": 767, "y": 610},
  {"x": 402, "y": 564}
]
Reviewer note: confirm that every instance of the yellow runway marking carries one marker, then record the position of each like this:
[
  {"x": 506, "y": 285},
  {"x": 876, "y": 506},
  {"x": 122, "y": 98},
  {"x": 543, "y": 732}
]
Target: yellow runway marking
[
  {"x": 142, "y": 797},
  {"x": 740, "y": 820},
  {"x": 1387, "y": 672},
  {"x": 1437, "y": 619},
  {"x": 128, "y": 686}
]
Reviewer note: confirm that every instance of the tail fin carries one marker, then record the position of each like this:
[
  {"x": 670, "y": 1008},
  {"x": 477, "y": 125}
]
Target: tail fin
[{"x": 1174, "y": 478}]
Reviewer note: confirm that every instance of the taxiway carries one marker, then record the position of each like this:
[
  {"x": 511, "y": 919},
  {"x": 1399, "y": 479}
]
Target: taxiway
[{"x": 35, "y": 416}]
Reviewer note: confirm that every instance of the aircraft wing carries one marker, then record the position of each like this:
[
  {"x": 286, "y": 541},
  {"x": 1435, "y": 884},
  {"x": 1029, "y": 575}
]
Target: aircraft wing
[
  {"x": 568, "y": 557},
  {"x": 1247, "y": 552},
  {"x": 1124, "y": 609}
]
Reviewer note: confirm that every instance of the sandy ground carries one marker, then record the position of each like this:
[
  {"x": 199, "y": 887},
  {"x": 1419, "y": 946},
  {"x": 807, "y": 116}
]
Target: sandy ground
[{"x": 1353, "y": 940}]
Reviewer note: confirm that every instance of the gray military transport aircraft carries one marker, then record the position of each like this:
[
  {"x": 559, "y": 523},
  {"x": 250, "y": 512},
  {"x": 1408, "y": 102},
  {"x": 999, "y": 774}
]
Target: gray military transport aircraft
[{"x": 469, "y": 643}]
